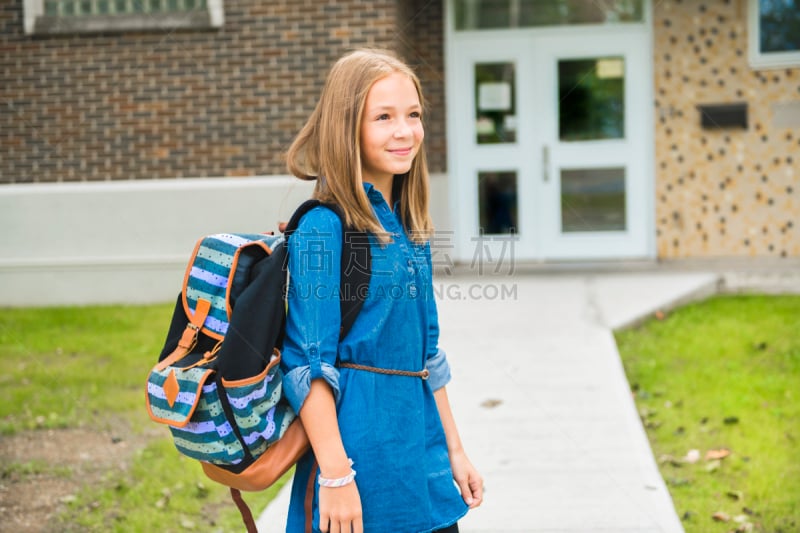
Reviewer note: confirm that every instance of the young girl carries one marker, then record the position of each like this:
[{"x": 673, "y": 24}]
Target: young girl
[{"x": 385, "y": 448}]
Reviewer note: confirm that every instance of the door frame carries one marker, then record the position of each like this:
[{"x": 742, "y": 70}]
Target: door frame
[{"x": 462, "y": 197}]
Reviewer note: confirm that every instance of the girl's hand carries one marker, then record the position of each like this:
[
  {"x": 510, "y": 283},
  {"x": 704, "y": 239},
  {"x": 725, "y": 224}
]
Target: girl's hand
[
  {"x": 468, "y": 479},
  {"x": 340, "y": 509}
]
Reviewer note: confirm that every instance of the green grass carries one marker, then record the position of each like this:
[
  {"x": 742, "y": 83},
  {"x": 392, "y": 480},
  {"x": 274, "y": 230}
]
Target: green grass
[
  {"x": 67, "y": 367},
  {"x": 32, "y": 468},
  {"x": 724, "y": 374},
  {"x": 162, "y": 491},
  {"x": 86, "y": 368}
]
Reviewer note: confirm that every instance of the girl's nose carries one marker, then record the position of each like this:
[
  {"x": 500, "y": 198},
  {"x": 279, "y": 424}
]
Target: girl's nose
[{"x": 403, "y": 130}]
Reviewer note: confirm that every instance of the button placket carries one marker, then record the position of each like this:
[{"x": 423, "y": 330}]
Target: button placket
[{"x": 393, "y": 225}]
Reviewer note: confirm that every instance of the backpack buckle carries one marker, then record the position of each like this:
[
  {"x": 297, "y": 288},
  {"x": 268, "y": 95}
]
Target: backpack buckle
[{"x": 208, "y": 357}]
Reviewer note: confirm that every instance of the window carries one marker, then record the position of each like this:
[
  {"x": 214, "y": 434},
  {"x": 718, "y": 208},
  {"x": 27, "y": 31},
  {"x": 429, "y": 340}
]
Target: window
[
  {"x": 95, "y": 16},
  {"x": 502, "y": 14},
  {"x": 774, "y": 33},
  {"x": 495, "y": 116}
]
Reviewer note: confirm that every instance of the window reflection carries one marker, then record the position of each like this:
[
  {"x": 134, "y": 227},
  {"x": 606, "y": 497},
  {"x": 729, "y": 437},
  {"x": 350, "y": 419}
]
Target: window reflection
[
  {"x": 591, "y": 94},
  {"x": 497, "y": 202},
  {"x": 495, "y": 107},
  {"x": 593, "y": 200},
  {"x": 496, "y": 14},
  {"x": 779, "y": 25}
]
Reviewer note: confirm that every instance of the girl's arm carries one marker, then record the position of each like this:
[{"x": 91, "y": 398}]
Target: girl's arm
[
  {"x": 340, "y": 507},
  {"x": 311, "y": 380},
  {"x": 469, "y": 480},
  {"x": 467, "y": 477}
]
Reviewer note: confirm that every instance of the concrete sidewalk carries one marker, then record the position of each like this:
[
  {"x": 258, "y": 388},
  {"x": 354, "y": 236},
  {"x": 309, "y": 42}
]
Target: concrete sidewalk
[{"x": 542, "y": 402}]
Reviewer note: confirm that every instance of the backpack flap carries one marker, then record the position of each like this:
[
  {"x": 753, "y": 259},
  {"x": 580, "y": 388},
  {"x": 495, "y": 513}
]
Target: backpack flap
[
  {"x": 173, "y": 393},
  {"x": 218, "y": 271}
]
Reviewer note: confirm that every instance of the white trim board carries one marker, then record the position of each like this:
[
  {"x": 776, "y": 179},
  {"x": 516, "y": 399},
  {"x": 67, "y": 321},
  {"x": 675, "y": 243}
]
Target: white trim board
[
  {"x": 124, "y": 242},
  {"x": 128, "y": 241}
]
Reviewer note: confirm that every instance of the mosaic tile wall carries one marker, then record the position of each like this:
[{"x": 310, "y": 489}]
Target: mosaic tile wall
[{"x": 730, "y": 191}]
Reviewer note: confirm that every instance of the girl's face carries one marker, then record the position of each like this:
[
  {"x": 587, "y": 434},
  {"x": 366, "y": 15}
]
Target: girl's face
[{"x": 391, "y": 128}]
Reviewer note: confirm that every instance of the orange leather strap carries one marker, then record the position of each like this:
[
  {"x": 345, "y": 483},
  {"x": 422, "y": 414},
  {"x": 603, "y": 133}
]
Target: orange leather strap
[
  {"x": 189, "y": 337},
  {"x": 308, "y": 503},
  {"x": 244, "y": 510},
  {"x": 201, "y": 313}
]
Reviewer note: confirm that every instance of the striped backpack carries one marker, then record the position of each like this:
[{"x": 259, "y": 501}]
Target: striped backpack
[{"x": 217, "y": 383}]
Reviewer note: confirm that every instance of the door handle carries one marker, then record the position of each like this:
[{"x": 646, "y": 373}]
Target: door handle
[{"x": 546, "y": 163}]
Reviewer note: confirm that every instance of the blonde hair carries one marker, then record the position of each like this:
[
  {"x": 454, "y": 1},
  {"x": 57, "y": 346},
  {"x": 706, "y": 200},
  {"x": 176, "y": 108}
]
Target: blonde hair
[{"x": 328, "y": 148}]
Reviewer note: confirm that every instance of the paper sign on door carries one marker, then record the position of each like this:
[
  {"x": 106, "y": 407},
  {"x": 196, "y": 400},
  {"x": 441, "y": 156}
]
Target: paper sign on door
[{"x": 494, "y": 96}]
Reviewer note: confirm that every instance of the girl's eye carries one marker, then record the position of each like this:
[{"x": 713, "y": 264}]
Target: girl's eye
[
  {"x": 416, "y": 114},
  {"x": 384, "y": 116}
]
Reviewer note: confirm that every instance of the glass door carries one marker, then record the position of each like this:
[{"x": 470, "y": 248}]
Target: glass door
[
  {"x": 493, "y": 133},
  {"x": 550, "y": 136},
  {"x": 595, "y": 134}
]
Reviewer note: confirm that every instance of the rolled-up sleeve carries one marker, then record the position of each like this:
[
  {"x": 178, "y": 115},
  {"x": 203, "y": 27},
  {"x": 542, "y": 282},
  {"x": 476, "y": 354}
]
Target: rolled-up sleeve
[
  {"x": 439, "y": 370},
  {"x": 435, "y": 358},
  {"x": 313, "y": 314}
]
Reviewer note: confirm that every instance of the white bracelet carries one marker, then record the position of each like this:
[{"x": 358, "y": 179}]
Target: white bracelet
[{"x": 339, "y": 481}]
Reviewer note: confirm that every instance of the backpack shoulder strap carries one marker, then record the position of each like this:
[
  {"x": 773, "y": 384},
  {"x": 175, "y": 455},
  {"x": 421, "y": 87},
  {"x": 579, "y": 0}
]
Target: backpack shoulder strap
[
  {"x": 302, "y": 209},
  {"x": 356, "y": 263}
]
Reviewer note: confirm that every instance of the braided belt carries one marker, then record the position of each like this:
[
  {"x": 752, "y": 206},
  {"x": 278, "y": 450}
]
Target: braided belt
[{"x": 422, "y": 374}]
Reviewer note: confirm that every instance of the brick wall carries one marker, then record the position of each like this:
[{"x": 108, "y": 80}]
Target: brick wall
[
  {"x": 186, "y": 104},
  {"x": 420, "y": 36}
]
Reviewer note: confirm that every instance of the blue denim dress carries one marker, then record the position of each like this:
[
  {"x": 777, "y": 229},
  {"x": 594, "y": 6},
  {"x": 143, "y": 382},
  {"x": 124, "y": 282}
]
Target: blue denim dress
[{"x": 389, "y": 424}]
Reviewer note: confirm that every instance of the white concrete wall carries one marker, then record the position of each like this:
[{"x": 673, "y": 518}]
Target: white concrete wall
[{"x": 128, "y": 242}]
